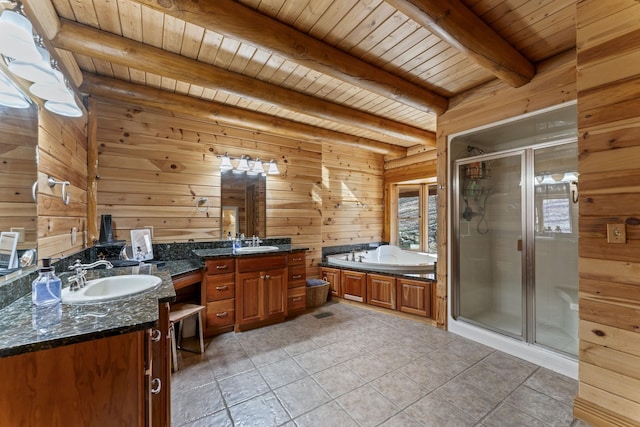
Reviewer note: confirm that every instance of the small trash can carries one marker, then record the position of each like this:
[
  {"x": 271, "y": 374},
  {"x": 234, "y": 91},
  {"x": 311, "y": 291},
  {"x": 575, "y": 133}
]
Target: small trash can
[{"x": 317, "y": 292}]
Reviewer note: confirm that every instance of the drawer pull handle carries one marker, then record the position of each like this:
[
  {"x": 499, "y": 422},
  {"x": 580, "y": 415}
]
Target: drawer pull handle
[
  {"x": 156, "y": 335},
  {"x": 297, "y": 259},
  {"x": 156, "y": 385},
  {"x": 296, "y": 299},
  {"x": 222, "y": 288},
  {"x": 221, "y": 267},
  {"x": 297, "y": 276},
  {"x": 223, "y": 314}
]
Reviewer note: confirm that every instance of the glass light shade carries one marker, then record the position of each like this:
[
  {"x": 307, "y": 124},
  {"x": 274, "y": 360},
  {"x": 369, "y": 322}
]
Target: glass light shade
[
  {"x": 257, "y": 167},
  {"x": 243, "y": 165},
  {"x": 39, "y": 72},
  {"x": 10, "y": 95},
  {"x": 16, "y": 37},
  {"x": 63, "y": 108},
  {"x": 52, "y": 92},
  {"x": 273, "y": 168},
  {"x": 13, "y": 100},
  {"x": 225, "y": 164}
]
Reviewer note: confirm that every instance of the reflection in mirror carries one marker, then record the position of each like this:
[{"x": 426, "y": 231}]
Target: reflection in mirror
[
  {"x": 141, "y": 244},
  {"x": 229, "y": 221},
  {"x": 18, "y": 174},
  {"x": 8, "y": 254},
  {"x": 246, "y": 193}
]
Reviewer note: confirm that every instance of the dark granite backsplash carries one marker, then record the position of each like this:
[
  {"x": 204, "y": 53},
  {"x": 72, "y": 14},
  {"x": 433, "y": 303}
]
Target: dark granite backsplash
[
  {"x": 343, "y": 249},
  {"x": 12, "y": 290}
]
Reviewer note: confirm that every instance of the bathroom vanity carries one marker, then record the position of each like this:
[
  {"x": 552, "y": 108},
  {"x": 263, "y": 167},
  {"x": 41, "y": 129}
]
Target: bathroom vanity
[
  {"x": 246, "y": 291},
  {"x": 91, "y": 364}
]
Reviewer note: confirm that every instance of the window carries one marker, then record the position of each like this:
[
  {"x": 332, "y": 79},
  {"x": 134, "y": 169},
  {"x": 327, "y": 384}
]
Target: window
[
  {"x": 553, "y": 208},
  {"x": 415, "y": 223}
]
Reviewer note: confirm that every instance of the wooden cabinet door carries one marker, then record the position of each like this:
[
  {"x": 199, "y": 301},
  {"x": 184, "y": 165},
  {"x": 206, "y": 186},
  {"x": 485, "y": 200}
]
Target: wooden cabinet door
[
  {"x": 381, "y": 291},
  {"x": 332, "y": 275},
  {"x": 250, "y": 298},
  {"x": 354, "y": 285},
  {"x": 161, "y": 369},
  {"x": 275, "y": 288},
  {"x": 414, "y": 297}
]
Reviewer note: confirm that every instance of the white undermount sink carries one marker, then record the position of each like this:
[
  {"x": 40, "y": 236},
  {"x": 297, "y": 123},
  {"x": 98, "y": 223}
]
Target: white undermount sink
[
  {"x": 256, "y": 249},
  {"x": 107, "y": 288}
]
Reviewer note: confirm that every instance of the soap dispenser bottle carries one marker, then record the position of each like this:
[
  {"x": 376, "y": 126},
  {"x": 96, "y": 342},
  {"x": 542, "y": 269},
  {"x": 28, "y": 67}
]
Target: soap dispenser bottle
[{"x": 46, "y": 289}]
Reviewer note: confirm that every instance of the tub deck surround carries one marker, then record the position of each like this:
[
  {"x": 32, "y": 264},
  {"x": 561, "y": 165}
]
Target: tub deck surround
[
  {"x": 425, "y": 277},
  {"x": 84, "y": 322}
]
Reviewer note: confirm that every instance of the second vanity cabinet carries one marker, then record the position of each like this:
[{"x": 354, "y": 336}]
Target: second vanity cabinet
[
  {"x": 261, "y": 284},
  {"x": 249, "y": 291}
]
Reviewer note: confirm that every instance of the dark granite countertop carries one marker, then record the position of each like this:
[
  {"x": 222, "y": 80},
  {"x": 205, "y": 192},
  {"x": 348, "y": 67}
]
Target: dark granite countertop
[
  {"x": 422, "y": 277},
  {"x": 25, "y": 328},
  {"x": 228, "y": 252}
]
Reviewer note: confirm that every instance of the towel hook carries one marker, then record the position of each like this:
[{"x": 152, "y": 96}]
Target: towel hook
[
  {"x": 201, "y": 201},
  {"x": 66, "y": 197}
]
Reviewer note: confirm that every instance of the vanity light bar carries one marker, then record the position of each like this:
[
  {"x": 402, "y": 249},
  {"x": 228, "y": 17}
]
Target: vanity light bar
[{"x": 243, "y": 165}]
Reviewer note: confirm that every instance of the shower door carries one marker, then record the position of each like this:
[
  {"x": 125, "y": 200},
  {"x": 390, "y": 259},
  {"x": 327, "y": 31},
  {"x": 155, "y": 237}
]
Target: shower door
[
  {"x": 490, "y": 240},
  {"x": 516, "y": 244}
]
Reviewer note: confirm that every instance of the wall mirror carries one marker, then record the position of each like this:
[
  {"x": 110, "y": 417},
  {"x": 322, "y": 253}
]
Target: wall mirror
[
  {"x": 18, "y": 174},
  {"x": 244, "y": 196}
]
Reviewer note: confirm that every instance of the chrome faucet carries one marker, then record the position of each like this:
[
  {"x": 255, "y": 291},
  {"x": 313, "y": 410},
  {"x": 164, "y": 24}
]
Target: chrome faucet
[{"x": 78, "y": 281}]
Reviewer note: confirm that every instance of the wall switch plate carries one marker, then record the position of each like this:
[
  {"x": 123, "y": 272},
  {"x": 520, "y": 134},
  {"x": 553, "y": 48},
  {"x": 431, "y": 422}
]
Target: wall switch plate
[
  {"x": 150, "y": 228},
  {"x": 20, "y": 231},
  {"x": 616, "y": 233},
  {"x": 74, "y": 235}
]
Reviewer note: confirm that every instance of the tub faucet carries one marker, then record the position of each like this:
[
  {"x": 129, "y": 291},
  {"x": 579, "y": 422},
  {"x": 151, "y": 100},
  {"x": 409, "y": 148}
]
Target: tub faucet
[
  {"x": 353, "y": 255},
  {"x": 78, "y": 281}
]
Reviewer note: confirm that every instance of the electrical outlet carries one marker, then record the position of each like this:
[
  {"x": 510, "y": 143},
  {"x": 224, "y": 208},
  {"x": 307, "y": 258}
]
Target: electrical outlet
[
  {"x": 616, "y": 233},
  {"x": 20, "y": 231},
  {"x": 150, "y": 228}
]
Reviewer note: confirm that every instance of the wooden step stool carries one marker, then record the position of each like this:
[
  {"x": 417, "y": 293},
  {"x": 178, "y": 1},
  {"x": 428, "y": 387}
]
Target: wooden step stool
[{"x": 178, "y": 313}]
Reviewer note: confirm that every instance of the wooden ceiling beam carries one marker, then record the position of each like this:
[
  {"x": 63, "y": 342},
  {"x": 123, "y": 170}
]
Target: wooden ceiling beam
[
  {"x": 457, "y": 25},
  {"x": 118, "y": 90},
  {"x": 91, "y": 42},
  {"x": 242, "y": 23}
]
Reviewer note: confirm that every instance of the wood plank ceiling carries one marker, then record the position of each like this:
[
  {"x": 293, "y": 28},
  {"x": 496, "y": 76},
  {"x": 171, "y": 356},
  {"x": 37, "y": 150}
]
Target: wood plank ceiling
[{"x": 374, "y": 71}]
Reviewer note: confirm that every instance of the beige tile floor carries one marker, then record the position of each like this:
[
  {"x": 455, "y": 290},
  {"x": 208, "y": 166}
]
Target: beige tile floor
[{"x": 359, "y": 367}]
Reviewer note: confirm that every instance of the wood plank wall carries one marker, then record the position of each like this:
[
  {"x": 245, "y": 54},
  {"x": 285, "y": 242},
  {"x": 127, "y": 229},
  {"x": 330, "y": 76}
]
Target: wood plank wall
[
  {"x": 554, "y": 83},
  {"x": 18, "y": 171},
  {"x": 352, "y": 189},
  {"x": 154, "y": 165},
  {"x": 62, "y": 154},
  {"x": 608, "y": 61}
]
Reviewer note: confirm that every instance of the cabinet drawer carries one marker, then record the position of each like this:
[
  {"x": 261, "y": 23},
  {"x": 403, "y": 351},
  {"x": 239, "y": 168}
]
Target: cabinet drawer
[
  {"x": 296, "y": 259},
  {"x": 220, "y": 266},
  {"x": 297, "y": 298},
  {"x": 261, "y": 263},
  {"x": 221, "y": 286},
  {"x": 297, "y": 275},
  {"x": 221, "y": 313}
]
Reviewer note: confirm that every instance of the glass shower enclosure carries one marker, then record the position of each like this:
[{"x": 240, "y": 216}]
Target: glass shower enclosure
[{"x": 515, "y": 256}]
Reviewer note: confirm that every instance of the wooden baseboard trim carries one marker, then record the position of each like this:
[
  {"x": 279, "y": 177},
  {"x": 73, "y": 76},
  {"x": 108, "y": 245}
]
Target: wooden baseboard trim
[{"x": 598, "y": 416}]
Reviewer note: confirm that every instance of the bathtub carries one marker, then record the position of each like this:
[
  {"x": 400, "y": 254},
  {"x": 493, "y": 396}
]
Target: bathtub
[{"x": 386, "y": 259}]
